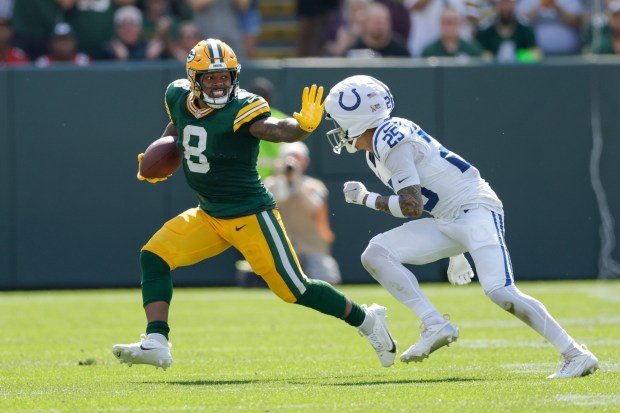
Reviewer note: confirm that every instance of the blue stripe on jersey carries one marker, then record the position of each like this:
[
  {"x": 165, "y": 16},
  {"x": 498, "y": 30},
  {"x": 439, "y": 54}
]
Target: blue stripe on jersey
[
  {"x": 374, "y": 137},
  {"x": 500, "y": 234},
  {"x": 432, "y": 197}
]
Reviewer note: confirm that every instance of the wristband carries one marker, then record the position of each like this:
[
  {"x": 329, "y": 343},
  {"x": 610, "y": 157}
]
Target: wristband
[
  {"x": 394, "y": 205},
  {"x": 371, "y": 200}
]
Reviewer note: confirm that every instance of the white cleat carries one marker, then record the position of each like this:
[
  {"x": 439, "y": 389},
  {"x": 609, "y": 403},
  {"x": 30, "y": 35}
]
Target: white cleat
[
  {"x": 432, "y": 338},
  {"x": 147, "y": 351},
  {"x": 380, "y": 339},
  {"x": 459, "y": 270},
  {"x": 584, "y": 364}
]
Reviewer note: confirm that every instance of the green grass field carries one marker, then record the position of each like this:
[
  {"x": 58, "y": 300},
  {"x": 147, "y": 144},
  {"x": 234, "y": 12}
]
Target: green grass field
[{"x": 245, "y": 350}]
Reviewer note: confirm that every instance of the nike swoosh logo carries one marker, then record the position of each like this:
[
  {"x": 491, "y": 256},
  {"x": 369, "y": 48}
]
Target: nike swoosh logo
[
  {"x": 241, "y": 227},
  {"x": 466, "y": 210},
  {"x": 393, "y": 344},
  {"x": 403, "y": 180},
  {"x": 146, "y": 349}
]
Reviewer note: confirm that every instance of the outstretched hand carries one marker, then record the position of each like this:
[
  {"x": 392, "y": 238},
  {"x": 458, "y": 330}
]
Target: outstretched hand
[
  {"x": 140, "y": 177},
  {"x": 312, "y": 106}
]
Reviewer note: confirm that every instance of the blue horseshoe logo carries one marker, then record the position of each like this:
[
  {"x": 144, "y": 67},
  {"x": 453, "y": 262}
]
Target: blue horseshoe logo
[{"x": 357, "y": 102}]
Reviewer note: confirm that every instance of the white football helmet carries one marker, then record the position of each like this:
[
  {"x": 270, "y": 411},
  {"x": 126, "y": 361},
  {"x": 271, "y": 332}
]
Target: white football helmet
[{"x": 356, "y": 104}]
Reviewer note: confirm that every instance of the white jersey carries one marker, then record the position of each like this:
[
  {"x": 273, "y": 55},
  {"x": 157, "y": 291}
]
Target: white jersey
[{"x": 404, "y": 155}]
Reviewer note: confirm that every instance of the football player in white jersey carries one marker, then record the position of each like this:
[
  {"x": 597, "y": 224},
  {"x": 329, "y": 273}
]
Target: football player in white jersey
[{"x": 463, "y": 215}]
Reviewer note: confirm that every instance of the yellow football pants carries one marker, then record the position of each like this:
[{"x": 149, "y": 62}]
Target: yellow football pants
[{"x": 194, "y": 236}]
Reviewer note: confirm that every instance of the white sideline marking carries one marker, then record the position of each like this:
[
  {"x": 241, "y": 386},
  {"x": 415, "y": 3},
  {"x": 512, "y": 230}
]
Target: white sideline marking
[
  {"x": 500, "y": 343},
  {"x": 551, "y": 367},
  {"x": 511, "y": 343},
  {"x": 530, "y": 367},
  {"x": 589, "y": 399},
  {"x": 567, "y": 321},
  {"x": 604, "y": 294}
]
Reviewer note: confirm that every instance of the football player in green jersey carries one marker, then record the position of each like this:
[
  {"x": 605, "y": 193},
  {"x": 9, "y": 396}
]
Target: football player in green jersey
[{"x": 218, "y": 127}]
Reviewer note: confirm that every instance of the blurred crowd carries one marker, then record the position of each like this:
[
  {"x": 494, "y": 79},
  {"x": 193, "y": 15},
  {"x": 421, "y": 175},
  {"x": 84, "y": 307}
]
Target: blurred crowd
[{"x": 81, "y": 31}]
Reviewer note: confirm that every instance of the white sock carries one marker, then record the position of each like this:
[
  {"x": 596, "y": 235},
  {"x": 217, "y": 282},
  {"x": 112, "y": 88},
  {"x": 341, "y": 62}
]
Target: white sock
[
  {"x": 433, "y": 319},
  {"x": 367, "y": 324},
  {"x": 158, "y": 337},
  {"x": 573, "y": 350}
]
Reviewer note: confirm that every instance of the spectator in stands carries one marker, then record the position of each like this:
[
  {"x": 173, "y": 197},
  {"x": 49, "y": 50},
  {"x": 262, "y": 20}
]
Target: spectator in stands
[
  {"x": 93, "y": 24},
  {"x": 425, "y": 17},
  {"x": 348, "y": 27},
  {"x": 180, "y": 10},
  {"x": 250, "y": 23},
  {"x": 450, "y": 43},
  {"x": 63, "y": 49},
  {"x": 9, "y": 55},
  {"x": 401, "y": 25},
  {"x": 377, "y": 34},
  {"x": 218, "y": 19},
  {"x": 159, "y": 26},
  {"x": 606, "y": 39},
  {"x": 505, "y": 37},
  {"x": 302, "y": 202},
  {"x": 127, "y": 44},
  {"x": 33, "y": 24},
  {"x": 556, "y": 23},
  {"x": 188, "y": 37},
  {"x": 313, "y": 18},
  {"x": 478, "y": 13}
]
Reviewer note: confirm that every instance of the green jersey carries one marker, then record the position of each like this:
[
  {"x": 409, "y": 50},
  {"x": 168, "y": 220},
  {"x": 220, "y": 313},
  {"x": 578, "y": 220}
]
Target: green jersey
[{"x": 220, "y": 153}]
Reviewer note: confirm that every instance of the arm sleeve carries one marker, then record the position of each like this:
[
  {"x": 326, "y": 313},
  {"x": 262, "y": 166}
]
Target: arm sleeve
[{"x": 400, "y": 162}]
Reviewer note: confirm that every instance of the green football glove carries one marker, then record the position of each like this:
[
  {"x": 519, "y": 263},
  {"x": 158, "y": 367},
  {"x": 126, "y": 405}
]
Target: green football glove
[
  {"x": 140, "y": 177},
  {"x": 311, "y": 112}
]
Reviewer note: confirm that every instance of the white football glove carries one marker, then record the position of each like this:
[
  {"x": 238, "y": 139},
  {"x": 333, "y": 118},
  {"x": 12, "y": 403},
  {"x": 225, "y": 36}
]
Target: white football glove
[
  {"x": 459, "y": 271},
  {"x": 354, "y": 192}
]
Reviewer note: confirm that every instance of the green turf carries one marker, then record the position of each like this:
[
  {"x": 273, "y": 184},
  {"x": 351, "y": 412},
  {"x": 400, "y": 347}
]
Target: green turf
[{"x": 244, "y": 350}]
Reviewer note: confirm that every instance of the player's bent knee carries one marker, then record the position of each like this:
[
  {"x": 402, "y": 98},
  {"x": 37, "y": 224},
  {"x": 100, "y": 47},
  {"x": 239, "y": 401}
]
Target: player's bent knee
[
  {"x": 152, "y": 265},
  {"x": 373, "y": 257},
  {"x": 156, "y": 279},
  {"x": 504, "y": 297}
]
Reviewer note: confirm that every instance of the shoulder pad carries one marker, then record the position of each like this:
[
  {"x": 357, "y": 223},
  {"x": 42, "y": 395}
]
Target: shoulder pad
[
  {"x": 388, "y": 135},
  {"x": 251, "y": 108},
  {"x": 178, "y": 84},
  {"x": 176, "y": 89}
]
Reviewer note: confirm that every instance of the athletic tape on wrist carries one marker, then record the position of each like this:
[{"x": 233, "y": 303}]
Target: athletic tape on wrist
[
  {"x": 394, "y": 205},
  {"x": 371, "y": 200}
]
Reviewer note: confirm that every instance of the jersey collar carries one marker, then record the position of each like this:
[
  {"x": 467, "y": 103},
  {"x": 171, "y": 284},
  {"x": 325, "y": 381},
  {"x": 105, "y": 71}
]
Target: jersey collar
[{"x": 195, "y": 110}]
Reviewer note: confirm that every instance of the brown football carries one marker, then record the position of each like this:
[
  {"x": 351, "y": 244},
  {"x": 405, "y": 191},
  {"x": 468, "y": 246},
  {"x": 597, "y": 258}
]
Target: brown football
[{"x": 161, "y": 158}]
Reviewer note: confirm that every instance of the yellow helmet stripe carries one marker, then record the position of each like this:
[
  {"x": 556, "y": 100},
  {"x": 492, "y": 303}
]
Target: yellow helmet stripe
[{"x": 263, "y": 107}]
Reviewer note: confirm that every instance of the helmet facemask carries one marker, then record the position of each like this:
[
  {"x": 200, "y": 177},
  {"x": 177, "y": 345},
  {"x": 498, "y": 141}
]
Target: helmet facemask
[
  {"x": 338, "y": 138},
  {"x": 220, "y": 101}
]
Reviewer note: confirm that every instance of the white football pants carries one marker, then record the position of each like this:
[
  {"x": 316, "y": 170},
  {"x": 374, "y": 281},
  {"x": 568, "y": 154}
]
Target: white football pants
[{"x": 477, "y": 230}]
